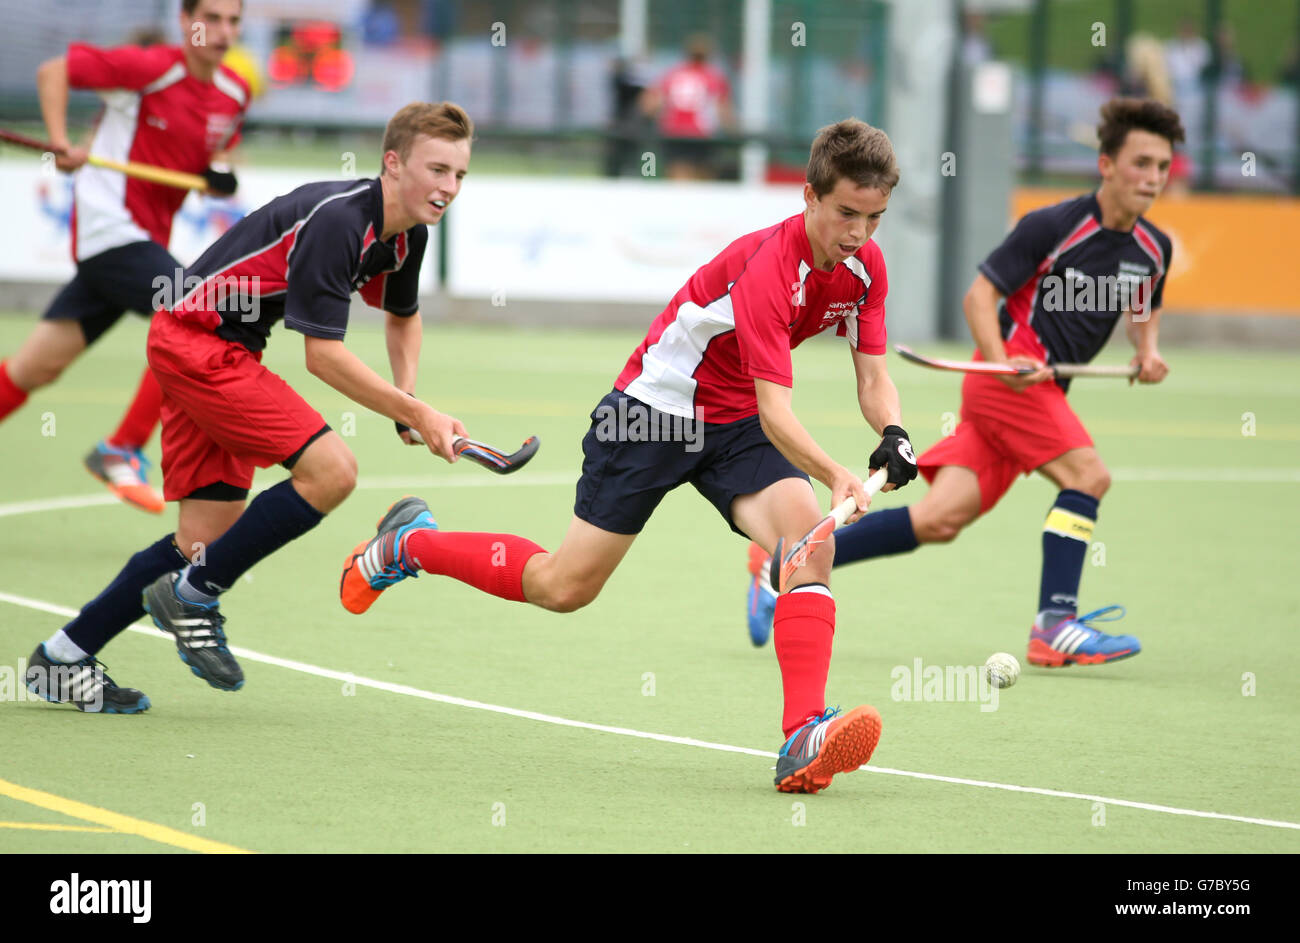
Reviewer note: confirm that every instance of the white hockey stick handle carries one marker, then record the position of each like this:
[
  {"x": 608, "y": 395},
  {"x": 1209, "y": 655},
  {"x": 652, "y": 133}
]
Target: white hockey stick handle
[{"x": 845, "y": 508}]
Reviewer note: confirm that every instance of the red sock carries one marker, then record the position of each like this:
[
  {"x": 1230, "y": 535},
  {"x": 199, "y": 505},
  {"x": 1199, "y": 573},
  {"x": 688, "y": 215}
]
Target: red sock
[
  {"x": 11, "y": 397},
  {"x": 803, "y": 627},
  {"x": 493, "y": 563},
  {"x": 141, "y": 416}
]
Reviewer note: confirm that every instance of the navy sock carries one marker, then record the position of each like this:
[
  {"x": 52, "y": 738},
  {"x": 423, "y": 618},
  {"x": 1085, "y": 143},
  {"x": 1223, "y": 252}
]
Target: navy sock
[
  {"x": 276, "y": 516},
  {"x": 1066, "y": 534},
  {"x": 879, "y": 534},
  {"x": 119, "y": 604}
]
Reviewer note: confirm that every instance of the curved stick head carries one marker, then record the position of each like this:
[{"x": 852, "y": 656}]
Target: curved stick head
[{"x": 493, "y": 459}]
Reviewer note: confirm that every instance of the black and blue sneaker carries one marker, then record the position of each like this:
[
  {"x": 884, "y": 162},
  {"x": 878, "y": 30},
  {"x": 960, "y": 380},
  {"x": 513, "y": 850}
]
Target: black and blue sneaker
[
  {"x": 200, "y": 638},
  {"x": 83, "y": 684}
]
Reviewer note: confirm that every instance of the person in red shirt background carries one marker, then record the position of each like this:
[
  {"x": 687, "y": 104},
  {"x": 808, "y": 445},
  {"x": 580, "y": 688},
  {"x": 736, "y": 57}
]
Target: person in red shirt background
[
  {"x": 171, "y": 106},
  {"x": 691, "y": 100}
]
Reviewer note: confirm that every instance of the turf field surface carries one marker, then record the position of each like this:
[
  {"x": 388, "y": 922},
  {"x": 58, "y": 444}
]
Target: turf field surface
[{"x": 445, "y": 720}]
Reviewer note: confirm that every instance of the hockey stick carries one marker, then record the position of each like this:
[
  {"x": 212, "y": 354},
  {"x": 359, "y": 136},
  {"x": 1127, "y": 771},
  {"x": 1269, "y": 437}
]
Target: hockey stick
[
  {"x": 490, "y": 457},
  {"x": 783, "y": 567},
  {"x": 150, "y": 172},
  {"x": 1066, "y": 370}
]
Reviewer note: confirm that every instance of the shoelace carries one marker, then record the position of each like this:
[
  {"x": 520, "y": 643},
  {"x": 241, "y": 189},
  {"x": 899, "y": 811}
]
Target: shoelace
[
  {"x": 1096, "y": 616},
  {"x": 94, "y": 664}
]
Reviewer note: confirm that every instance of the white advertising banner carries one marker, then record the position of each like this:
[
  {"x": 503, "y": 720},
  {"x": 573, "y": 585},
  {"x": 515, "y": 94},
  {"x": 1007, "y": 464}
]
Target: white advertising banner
[
  {"x": 35, "y": 244},
  {"x": 598, "y": 240}
]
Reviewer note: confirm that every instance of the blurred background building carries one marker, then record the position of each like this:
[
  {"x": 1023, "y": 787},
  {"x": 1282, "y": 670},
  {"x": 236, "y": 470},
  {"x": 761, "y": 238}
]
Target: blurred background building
[{"x": 571, "y": 90}]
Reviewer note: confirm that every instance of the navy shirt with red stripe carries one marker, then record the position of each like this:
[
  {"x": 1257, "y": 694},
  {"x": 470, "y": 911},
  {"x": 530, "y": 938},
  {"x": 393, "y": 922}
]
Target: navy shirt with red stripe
[
  {"x": 299, "y": 258},
  {"x": 1059, "y": 270}
]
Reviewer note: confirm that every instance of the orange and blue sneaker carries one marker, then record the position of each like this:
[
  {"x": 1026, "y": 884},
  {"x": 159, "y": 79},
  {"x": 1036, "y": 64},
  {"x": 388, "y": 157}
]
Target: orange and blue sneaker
[
  {"x": 378, "y": 563},
  {"x": 124, "y": 472},
  {"x": 762, "y": 598},
  {"x": 827, "y": 745},
  {"x": 1071, "y": 640}
]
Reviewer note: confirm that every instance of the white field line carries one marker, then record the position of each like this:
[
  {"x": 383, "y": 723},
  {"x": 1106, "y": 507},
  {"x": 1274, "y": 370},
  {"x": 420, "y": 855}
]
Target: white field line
[
  {"x": 347, "y": 677},
  {"x": 431, "y": 485}
]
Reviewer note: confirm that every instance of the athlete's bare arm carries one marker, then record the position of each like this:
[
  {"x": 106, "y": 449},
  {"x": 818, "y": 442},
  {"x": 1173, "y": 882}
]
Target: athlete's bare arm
[
  {"x": 52, "y": 90},
  {"x": 784, "y": 430},
  {"x": 1143, "y": 334},
  {"x": 981, "y": 308},
  {"x": 333, "y": 363}
]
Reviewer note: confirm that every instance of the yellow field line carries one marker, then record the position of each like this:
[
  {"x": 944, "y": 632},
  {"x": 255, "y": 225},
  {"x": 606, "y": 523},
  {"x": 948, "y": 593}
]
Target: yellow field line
[
  {"x": 116, "y": 821},
  {"x": 49, "y": 827}
]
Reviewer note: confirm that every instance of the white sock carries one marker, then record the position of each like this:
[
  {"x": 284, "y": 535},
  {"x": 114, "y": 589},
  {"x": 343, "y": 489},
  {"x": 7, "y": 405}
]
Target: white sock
[
  {"x": 189, "y": 594},
  {"x": 1049, "y": 618},
  {"x": 62, "y": 649}
]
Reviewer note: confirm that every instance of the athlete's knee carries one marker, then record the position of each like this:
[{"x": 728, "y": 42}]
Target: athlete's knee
[
  {"x": 939, "y": 525},
  {"x": 326, "y": 483},
  {"x": 570, "y": 597},
  {"x": 1092, "y": 479}
]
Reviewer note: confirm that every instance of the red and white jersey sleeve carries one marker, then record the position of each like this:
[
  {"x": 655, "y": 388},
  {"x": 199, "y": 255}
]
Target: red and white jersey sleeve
[
  {"x": 739, "y": 316},
  {"x": 155, "y": 112},
  {"x": 866, "y": 329}
]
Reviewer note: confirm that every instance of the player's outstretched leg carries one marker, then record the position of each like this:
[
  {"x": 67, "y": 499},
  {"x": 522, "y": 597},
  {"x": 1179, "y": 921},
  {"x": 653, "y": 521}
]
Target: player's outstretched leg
[
  {"x": 83, "y": 684},
  {"x": 379, "y": 562},
  {"x": 124, "y": 471},
  {"x": 1061, "y": 640},
  {"x": 198, "y": 629},
  {"x": 829, "y": 744}
]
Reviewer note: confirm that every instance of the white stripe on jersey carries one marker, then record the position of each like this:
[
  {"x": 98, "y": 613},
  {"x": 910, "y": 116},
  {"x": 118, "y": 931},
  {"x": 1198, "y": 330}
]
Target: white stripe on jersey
[
  {"x": 170, "y": 77},
  {"x": 854, "y": 265},
  {"x": 229, "y": 86},
  {"x": 99, "y": 194},
  {"x": 667, "y": 377}
]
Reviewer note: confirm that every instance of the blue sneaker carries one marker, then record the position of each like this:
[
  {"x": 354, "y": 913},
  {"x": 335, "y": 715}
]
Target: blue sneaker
[
  {"x": 377, "y": 563},
  {"x": 827, "y": 745},
  {"x": 762, "y": 600},
  {"x": 124, "y": 471},
  {"x": 1072, "y": 641}
]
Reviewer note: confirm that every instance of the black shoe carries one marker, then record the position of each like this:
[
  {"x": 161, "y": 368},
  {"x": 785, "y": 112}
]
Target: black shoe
[
  {"x": 200, "y": 640},
  {"x": 82, "y": 684}
]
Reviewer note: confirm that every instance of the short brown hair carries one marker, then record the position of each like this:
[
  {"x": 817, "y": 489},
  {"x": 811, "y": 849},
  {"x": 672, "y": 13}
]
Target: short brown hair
[
  {"x": 855, "y": 150},
  {"x": 441, "y": 120},
  {"x": 1119, "y": 116}
]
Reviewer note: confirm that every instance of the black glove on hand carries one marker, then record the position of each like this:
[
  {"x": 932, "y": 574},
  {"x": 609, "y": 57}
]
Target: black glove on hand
[
  {"x": 895, "y": 453},
  {"x": 220, "y": 182}
]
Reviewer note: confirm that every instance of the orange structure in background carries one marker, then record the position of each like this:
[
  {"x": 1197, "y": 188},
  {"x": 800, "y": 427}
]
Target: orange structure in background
[{"x": 1232, "y": 254}]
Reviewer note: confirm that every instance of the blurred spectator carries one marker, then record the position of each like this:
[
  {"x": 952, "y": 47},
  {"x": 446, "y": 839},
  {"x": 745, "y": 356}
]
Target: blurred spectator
[
  {"x": 1146, "y": 75},
  {"x": 975, "y": 45},
  {"x": 627, "y": 125},
  {"x": 692, "y": 102},
  {"x": 380, "y": 25},
  {"x": 1186, "y": 58},
  {"x": 1146, "y": 71},
  {"x": 1225, "y": 66}
]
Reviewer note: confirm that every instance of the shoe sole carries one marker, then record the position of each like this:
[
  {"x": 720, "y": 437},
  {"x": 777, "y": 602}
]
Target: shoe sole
[
  {"x": 141, "y": 706},
  {"x": 846, "y": 749},
  {"x": 366, "y": 601},
  {"x": 1043, "y": 655}
]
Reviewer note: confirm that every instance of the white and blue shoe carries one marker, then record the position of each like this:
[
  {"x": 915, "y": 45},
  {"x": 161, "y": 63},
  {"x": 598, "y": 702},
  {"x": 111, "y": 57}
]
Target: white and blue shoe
[{"x": 1073, "y": 641}]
